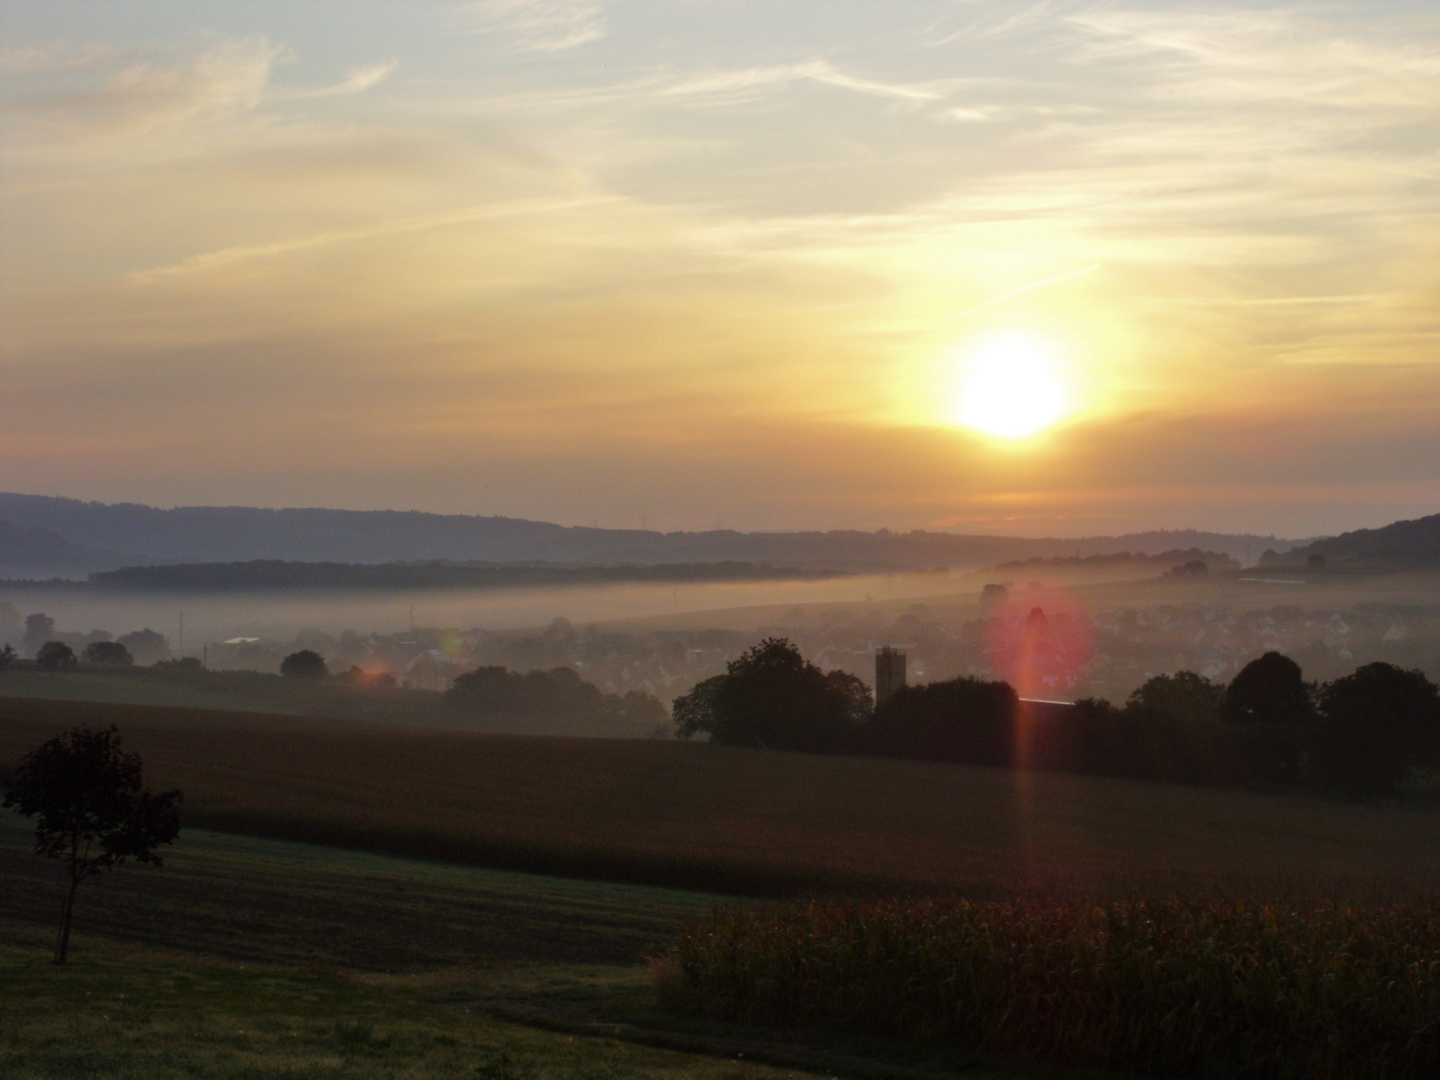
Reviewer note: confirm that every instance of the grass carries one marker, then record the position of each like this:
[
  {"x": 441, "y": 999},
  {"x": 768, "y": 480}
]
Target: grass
[
  {"x": 1149, "y": 987},
  {"x": 257, "y": 958},
  {"x": 261, "y": 901},
  {"x": 736, "y": 821}
]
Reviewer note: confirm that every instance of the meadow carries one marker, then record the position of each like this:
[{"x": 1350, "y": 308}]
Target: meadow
[{"x": 250, "y": 958}]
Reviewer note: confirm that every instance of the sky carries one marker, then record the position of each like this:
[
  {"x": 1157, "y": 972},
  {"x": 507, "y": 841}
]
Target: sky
[{"x": 1049, "y": 269}]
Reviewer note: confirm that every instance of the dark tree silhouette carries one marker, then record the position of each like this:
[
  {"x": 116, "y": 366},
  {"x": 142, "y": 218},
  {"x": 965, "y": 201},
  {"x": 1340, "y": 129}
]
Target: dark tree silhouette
[
  {"x": 54, "y": 656},
  {"x": 92, "y": 808},
  {"x": 772, "y": 697},
  {"x": 1269, "y": 690},
  {"x": 305, "y": 664},
  {"x": 695, "y": 712},
  {"x": 1271, "y": 706},
  {"x": 1377, "y": 724},
  {"x": 965, "y": 720},
  {"x": 559, "y": 693},
  {"x": 1184, "y": 697},
  {"x": 7, "y": 657},
  {"x": 107, "y": 654}
]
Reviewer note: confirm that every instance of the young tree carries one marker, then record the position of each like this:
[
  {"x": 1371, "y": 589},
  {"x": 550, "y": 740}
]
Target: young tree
[
  {"x": 7, "y": 657},
  {"x": 92, "y": 809}
]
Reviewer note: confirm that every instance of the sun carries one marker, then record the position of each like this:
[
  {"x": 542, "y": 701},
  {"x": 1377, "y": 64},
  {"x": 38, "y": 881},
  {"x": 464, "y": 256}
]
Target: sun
[{"x": 1010, "y": 387}]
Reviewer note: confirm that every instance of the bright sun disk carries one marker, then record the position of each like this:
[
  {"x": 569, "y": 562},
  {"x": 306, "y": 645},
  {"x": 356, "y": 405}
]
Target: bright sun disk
[{"x": 1011, "y": 388}]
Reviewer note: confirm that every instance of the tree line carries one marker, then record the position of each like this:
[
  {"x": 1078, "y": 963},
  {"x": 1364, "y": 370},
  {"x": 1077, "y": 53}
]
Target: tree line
[{"x": 1369, "y": 733}]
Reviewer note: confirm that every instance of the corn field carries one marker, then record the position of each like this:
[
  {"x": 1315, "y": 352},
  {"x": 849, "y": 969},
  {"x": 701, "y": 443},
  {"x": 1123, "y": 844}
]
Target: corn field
[{"x": 1155, "y": 988}]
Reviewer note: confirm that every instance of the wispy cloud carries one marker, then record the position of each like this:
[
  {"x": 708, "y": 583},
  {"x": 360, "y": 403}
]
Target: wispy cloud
[
  {"x": 356, "y": 81},
  {"x": 134, "y": 91},
  {"x": 748, "y": 82},
  {"x": 540, "y": 25},
  {"x": 1020, "y": 290},
  {"x": 232, "y": 256}
]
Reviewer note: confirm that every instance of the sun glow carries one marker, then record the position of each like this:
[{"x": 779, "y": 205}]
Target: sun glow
[{"x": 1010, "y": 387}]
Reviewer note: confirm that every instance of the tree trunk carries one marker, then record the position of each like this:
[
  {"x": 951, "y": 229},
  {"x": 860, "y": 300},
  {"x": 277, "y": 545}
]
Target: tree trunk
[{"x": 62, "y": 944}]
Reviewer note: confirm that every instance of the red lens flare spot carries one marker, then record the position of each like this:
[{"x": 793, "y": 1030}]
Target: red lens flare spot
[{"x": 1039, "y": 641}]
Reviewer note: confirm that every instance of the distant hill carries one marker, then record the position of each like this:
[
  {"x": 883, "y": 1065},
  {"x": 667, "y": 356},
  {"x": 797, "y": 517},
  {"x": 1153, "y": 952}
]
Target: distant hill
[
  {"x": 33, "y": 551},
  {"x": 225, "y": 534},
  {"x": 1128, "y": 560},
  {"x": 263, "y": 574},
  {"x": 1416, "y": 541}
]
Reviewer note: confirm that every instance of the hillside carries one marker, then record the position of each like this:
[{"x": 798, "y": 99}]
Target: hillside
[
  {"x": 262, "y": 574},
  {"x": 240, "y": 534},
  {"x": 664, "y": 812},
  {"x": 33, "y": 551},
  {"x": 1416, "y": 541}
]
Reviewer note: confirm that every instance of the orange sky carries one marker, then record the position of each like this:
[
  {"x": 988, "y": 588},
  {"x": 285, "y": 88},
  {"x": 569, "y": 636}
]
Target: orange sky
[{"x": 727, "y": 261}]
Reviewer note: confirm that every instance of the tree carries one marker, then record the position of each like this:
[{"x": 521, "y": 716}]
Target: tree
[
  {"x": 1184, "y": 697},
  {"x": 305, "y": 664},
  {"x": 695, "y": 712},
  {"x": 7, "y": 657},
  {"x": 107, "y": 654},
  {"x": 1269, "y": 690},
  {"x": 93, "y": 812},
  {"x": 1377, "y": 724},
  {"x": 1272, "y": 708},
  {"x": 55, "y": 656},
  {"x": 965, "y": 720},
  {"x": 772, "y": 697},
  {"x": 146, "y": 646},
  {"x": 39, "y": 628}
]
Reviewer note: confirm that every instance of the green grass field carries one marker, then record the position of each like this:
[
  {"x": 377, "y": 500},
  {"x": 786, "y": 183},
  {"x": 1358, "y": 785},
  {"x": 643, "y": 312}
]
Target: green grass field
[{"x": 245, "y": 957}]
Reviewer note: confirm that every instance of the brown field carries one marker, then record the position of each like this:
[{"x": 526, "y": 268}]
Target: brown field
[{"x": 737, "y": 820}]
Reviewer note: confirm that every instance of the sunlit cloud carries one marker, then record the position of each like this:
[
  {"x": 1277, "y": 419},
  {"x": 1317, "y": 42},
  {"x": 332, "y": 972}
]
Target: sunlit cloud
[
  {"x": 115, "y": 92},
  {"x": 356, "y": 81},
  {"x": 723, "y": 274},
  {"x": 541, "y": 25},
  {"x": 742, "y": 84}
]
